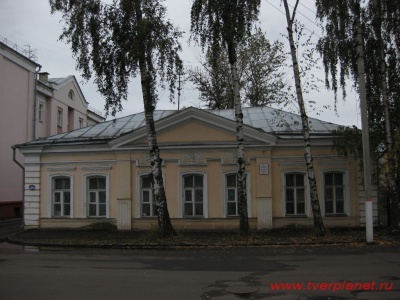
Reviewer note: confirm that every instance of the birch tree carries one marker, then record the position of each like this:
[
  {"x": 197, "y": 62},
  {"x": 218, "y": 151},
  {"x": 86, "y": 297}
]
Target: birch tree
[
  {"x": 213, "y": 82},
  {"x": 260, "y": 71},
  {"x": 316, "y": 210},
  {"x": 379, "y": 23},
  {"x": 221, "y": 25},
  {"x": 119, "y": 41}
]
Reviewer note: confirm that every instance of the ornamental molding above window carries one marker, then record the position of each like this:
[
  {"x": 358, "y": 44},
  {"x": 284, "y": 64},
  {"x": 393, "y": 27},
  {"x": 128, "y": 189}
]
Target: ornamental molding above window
[
  {"x": 230, "y": 158},
  {"x": 144, "y": 160},
  {"x": 193, "y": 159}
]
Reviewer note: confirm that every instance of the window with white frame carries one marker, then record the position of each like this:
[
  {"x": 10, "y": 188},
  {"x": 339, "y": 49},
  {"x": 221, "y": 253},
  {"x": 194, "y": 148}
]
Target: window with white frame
[
  {"x": 40, "y": 112},
  {"x": 231, "y": 195},
  {"x": 295, "y": 194},
  {"x": 97, "y": 196},
  {"x": 71, "y": 95},
  {"x": 59, "y": 117},
  {"x": 148, "y": 205},
  {"x": 193, "y": 195},
  {"x": 80, "y": 123},
  {"x": 61, "y": 196},
  {"x": 334, "y": 191}
]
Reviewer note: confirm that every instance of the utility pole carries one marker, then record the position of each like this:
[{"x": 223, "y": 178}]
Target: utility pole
[
  {"x": 369, "y": 229},
  {"x": 179, "y": 88}
]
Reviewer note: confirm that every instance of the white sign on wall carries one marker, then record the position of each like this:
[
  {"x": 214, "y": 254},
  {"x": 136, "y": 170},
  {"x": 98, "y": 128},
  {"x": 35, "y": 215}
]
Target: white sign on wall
[{"x": 264, "y": 169}]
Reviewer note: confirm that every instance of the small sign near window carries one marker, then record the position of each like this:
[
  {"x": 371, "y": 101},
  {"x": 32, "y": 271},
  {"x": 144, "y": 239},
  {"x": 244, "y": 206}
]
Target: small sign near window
[{"x": 264, "y": 169}]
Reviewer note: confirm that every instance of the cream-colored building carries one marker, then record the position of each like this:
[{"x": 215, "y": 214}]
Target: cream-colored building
[
  {"x": 100, "y": 173},
  {"x": 32, "y": 106}
]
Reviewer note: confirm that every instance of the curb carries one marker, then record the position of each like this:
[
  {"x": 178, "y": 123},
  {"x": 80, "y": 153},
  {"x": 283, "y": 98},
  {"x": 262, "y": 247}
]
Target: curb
[
  {"x": 177, "y": 245},
  {"x": 8, "y": 221}
]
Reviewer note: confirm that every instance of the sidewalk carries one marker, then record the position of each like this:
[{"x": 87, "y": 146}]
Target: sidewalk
[
  {"x": 109, "y": 238},
  {"x": 9, "y": 227}
]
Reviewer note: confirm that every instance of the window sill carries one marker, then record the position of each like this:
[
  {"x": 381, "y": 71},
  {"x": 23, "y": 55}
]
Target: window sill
[{"x": 296, "y": 216}]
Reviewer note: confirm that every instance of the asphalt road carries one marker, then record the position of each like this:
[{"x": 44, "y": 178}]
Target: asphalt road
[{"x": 54, "y": 274}]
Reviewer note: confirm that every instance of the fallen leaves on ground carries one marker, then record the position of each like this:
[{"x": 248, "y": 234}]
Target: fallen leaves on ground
[{"x": 276, "y": 237}]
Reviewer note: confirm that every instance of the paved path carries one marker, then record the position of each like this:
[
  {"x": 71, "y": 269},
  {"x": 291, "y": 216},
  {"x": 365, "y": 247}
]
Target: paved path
[{"x": 54, "y": 274}]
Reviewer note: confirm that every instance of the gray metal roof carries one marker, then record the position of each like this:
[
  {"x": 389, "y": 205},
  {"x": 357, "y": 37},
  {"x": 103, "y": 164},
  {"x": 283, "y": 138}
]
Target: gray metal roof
[
  {"x": 276, "y": 121},
  {"x": 58, "y": 80},
  {"x": 268, "y": 119}
]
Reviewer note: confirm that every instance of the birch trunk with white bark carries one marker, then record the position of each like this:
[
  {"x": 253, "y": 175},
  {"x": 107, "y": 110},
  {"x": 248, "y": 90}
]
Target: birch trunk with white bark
[
  {"x": 391, "y": 162},
  {"x": 316, "y": 210},
  {"x": 164, "y": 221},
  {"x": 241, "y": 159}
]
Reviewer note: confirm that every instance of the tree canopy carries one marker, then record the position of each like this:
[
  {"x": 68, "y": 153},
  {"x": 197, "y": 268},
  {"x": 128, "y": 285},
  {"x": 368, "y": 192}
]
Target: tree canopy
[
  {"x": 337, "y": 48},
  {"x": 381, "y": 43},
  {"x": 219, "y": 25},
  {"x": 107, "y": 41},
  {"x": 261, "y": 76}
]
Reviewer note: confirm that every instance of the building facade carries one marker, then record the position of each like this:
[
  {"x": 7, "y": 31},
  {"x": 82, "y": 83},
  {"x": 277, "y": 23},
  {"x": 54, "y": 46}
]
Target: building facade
[
  {"x": 32, "y": 106},
  {"x": 101, "y": 173}
]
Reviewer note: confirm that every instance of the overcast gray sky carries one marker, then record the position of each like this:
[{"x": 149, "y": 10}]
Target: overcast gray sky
[{"x": 28, "y": 23}]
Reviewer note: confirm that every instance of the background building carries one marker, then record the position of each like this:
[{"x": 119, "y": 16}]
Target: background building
[{"x": 32, "y": 106}]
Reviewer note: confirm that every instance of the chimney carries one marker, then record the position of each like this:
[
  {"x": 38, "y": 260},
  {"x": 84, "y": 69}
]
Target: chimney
[{"x": 44, "y": 76}]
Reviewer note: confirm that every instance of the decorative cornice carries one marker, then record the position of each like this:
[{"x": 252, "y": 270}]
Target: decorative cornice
[
  {"x": 60, "y": 169},
  {"x": 196, "y": 158},
  {"x": 96, "y": 168}
]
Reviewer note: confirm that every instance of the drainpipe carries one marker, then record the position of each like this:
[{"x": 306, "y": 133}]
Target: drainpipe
[
  {"x": 35, "y": 104},
  {"x": 23, "y": 185}
]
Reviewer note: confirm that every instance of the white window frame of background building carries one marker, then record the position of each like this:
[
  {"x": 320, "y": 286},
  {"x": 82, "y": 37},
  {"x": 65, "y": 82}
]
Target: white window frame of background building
[
  {"x": 59, "y": 117},
  {"x": 71, "y": 94},
  {"x": 41, "y": 111}
]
